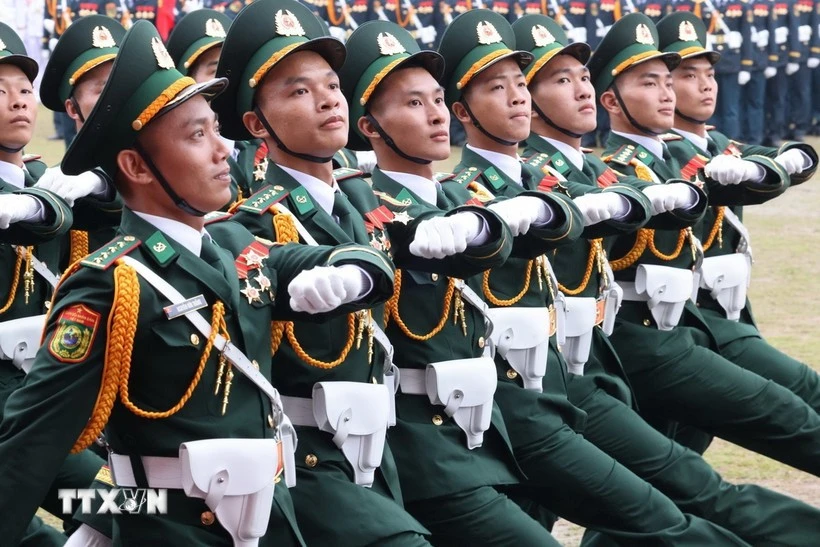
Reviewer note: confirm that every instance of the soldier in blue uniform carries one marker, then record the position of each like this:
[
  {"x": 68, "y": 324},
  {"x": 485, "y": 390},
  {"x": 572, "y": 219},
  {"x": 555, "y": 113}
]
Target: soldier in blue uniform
[
  {"x": 654, "y": 9},
  {"x": 776, "y": 86},
  {"x": 802, "y": 36},
  {"x": 753, "y": 94}
]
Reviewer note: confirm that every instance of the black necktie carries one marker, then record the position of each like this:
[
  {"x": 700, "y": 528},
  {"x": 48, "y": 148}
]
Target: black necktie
[
  {"x": 712, "y": 148},
  {"x": 667, "y": 155},
  {"x": 589, "y": 171},
  {"x": 442, "y": 201},
  {"x": 210, "y": 254},
  {"x": 341, "y": 210}
]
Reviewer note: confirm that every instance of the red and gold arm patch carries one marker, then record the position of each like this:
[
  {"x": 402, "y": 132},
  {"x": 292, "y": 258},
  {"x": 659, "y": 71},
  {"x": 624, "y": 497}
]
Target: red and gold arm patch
[{"x": 76, "y": 329}]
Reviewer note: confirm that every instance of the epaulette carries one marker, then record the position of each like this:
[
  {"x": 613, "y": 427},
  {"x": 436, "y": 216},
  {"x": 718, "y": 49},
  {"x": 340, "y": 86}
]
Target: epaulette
[
  {"x": 301, "y": 200},
  {"x": 466, "y": 176},
  {"x": 587, "y": 150},
  {"x": 443, "y": 177},
  {"x": 105, "y": 256},
  {"x": 538, "y": 160},
  {"x": 264, "y": 199},
  {"x": 31, "y": 157},
  {"x": 623, "y": 155},
  {"x": 669, "y": 137},
  {"x": 389, "y": 199},
  {"x": 344, "y": 173},
  {"x": 216, "y": 216}
]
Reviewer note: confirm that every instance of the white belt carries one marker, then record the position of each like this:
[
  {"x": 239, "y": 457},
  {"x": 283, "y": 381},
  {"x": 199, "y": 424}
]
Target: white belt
[
  {"x": 299, "y": 410},
  {"x": 630, "y": 294},
  {"x": 413, "y": 381},
  {"x": 161, "y": 472}
]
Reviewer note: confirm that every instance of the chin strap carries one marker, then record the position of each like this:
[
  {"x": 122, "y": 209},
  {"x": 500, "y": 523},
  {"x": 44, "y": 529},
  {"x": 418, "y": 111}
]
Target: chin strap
[
  {"x": 77, "y": 108},
  {"x": 388, "y": 140},
  {"x": 281, "y": 145},
  {"x": 629, "y": 117},
  {"x": 689, "y": 119},
  {"x": 178, "y": 201},
  {"x": 554, "y": 125},
  {"x": 9, "y": 150},
  {"x": 480, "y": 128}
]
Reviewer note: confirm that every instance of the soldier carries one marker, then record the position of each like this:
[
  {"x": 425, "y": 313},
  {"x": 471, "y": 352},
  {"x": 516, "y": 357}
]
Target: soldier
[
  {"x": 150, "y": 136},
  {"x": 566, "y": 473},
  {"x": 753, "y": 94},
  {"x": 668, "y": 350},
  {"x": 804, "y": 57},
  {"x": 562, "y": 92},
  {"x": 654, "y": 9},
  {"x": 777, "y": 88},
  {"x": 722, "y": 231}
]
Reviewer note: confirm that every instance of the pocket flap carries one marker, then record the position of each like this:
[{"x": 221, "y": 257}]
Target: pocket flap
[
  {"x": 26, "y": 331},
  {"x": 580, "y": 315},
  {"x": 364, "y": 407},
  {"x": 474, "y": 378},
  {"x": 663, "y": 283},
  {"x": 526, "y": 327},
  {"x": 249, "y": 464},
  {"x": 725, "y": 272}
]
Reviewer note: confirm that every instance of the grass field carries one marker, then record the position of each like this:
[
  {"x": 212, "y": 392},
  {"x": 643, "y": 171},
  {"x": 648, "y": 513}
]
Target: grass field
[{"x": 786, "y": 296}]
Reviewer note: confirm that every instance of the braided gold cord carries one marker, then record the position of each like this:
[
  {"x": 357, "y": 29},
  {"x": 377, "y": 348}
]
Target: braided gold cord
[
  {"x": 14, "y": 282},
  {"x": 79, "y": 245},
  {"x": 717, "y": 228},
  {"x": 494, "y": 300},
  {"x": 594, "y": 249},
  {"x": 392, "y": 307}
]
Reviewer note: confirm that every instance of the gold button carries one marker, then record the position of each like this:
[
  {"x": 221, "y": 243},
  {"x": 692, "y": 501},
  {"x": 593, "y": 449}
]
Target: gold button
[
  {"x": 195, "y": 339},
  {"x": 646, "y": 322},
  {"x": 48, "y": 304},
  {"x": 511, "y": 374},
  {"x": 207, "y": 518},
  {"x": 270, "y": 421},
  {"x": 434, "y": 277},
  {"x": 697, "y": 304},
  {"x": 481, "y": 341},
  {"x": 311, "y": 460},
  {"x": 437, "y": 420},
  {"x": 255, "y": 364}
]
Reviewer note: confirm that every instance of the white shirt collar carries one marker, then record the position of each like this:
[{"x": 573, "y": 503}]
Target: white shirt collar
[
  {"x": 653, "y": 144},
  {"x": 509, "y": 166},
  {"x": 576, "y": 157},
  {"x": 697, "y": 140},
  {"x": 320, "y": 191},
  {"x": 422, "y": 187},
  {"x": 12, "y": 174},
  {"x": 179, "y": 232}
]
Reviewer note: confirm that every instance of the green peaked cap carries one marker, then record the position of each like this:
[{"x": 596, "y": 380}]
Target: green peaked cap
[
  {"x": 85, "y": 45},
  {"x": 143, "y": 85},
  {"x": 13, "y": 52},
  {"x": 381, "y": 47},
  {"x": 195, "y": 34},
  {"x": 544, "y": 38},
  {"x": 684, "y": 33},
  {"x": 263, "y": 34},
  {"x": 473, "y": 42},
  {"x": 632, "y": 40}
]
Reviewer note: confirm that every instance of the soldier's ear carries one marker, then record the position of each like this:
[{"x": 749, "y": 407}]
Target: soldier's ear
[
  {"x": 254, "y": 125},
  {"x": 366, "y": 128},
  {"x": 133, "y": 168},
  {"x": 610, "y": 103},
  {"x": 461, "y": 113}
]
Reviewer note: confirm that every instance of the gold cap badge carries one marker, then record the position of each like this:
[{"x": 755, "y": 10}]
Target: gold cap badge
[
  {"x": 542, "y": 36},
  {"x": 487, "y": 33},
  {"x": 164, "y": 59},
  {"x": 686, "y": 32},
  {"x": 643, "y": 35},
  {"x": 389, "y": 44},
  {"x": 101, "y": 37},
  {"x": 214, "y": 29},
  {"x": 287, "y": 24}
]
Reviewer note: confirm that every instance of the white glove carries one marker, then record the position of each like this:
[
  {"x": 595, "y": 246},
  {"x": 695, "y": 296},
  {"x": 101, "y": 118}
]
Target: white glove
[
  {"x": 338, "y": 33},
  {"x": 192, "y": 5},
  {"x": 668, "y": 197},
  {"x": 48, "y": 25},
  {"x": 16, "y": 207},
  {"x": 770, "y": 71},
  {"x": 426, "y": 35},
  {"x": 600, "y": 207},
  {"x": 69, "y": 187},
  {"x": 793, "y": 161},
  {"x": 325, "y": 288},
  {"x": 726, "y": 170},
  {"x": 743, "y": 77},
  {"x": 577, "y": 34},
  {"x": 813, "y": 62},
  {"x": 366, "y": 160},
  {"x": 52, "y": 42},
  {"x": 791, "y": 68},
  {"x": 521, "y": 212},
  {"x": 445, "y": 236}
]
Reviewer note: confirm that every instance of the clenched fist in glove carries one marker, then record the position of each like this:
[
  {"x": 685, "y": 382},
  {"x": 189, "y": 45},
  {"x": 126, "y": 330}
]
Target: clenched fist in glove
[
  {"x": 445, "y": 236},
  {"x": 600, "y": 207},
  {"x": 668, "y": 197},
  {"x": 519, "y": 213},
  {"x": 325, "y": 288},
  {"x": 793, "y": 161},
  {"x": 727, "y": 170},
  {"x": 72, "y": 187},
  {"x": 16, "y": 208},
  {"x": 743, "y": 77}
]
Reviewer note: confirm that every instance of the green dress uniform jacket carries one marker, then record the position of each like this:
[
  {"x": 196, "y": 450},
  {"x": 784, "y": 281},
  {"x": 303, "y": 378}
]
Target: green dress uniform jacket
[
  {"x": 247, "y": 168},
  {"x": 44, "y": 418},
  {"x": 677, "y": 375}
]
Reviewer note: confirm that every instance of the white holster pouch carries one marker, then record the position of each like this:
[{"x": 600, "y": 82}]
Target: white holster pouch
[
  {"x": 664, "y": 289},
  {"x": 613, "y": 297},
  {"x": 580, "y": 314},
  {"x": 235, "y": 477},
  {"x": 727, "y": 277},
  {"x": 357, "y": 415},
  {"x": 521, "y": 336},
  {"x": 466, "y": 388},
  {"x": 20, "y": 340}
]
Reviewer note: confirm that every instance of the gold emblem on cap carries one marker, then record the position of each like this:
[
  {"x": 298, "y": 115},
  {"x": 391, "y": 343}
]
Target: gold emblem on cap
[
  {"x": 389, "y": 44},
  {"x": 686, "y": 32},
  {"x": 487, "y": 33},
  {"x": 287, "y": 24},
  {"x": 643, "y": 35},
  {"x": 101, "y": 37},
  {"x": 542, "y": 36},
  {"x": 214, "y": 29},
  {"x": 2, "y": 45},
  {"x": 164, "y": 59}
]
